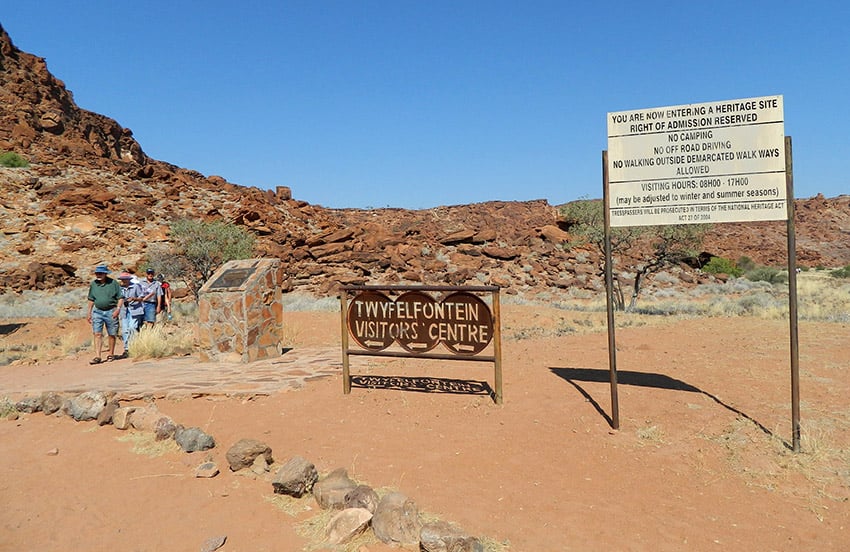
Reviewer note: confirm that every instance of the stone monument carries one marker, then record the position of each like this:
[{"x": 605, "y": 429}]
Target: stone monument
[{"x": 240, "y": 314}]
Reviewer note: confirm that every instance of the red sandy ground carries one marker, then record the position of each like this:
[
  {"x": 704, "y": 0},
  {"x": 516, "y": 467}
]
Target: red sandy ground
[{"x": 700, "y": 461}]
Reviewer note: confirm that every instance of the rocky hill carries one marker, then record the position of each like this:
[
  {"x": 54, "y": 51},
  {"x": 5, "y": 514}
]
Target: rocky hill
[{"x": 91, "y": 195}]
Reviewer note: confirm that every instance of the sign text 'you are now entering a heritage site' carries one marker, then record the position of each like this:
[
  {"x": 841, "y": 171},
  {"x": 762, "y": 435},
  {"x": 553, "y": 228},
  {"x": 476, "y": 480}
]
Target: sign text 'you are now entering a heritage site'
[{"x": 698, "y": 163}]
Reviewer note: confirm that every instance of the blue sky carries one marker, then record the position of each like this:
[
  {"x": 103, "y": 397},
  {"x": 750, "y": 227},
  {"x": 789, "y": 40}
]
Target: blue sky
[{"x": 420, "y": 104}]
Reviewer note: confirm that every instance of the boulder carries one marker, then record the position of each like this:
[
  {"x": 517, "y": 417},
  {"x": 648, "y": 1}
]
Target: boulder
[
  {"x": 553, "y": 234},
  {"x": 259, "y": 466},
  {"x": 207, "y": 470},
  {"x": 105, "y": 416},
  {"x": 396, "y": 520},
  {"x": 242, "y": 454},
  {"x": 347, "y": 524},
  {"x": 193, "y": 439},
  {"x": 29, "y": 405},
  {"x": 164, "y": 428},
  {"x": 331, "y": 490},
  {"x": 85, "y": 406},
  {"x": 213, "y": 543},
  {"x": 51, "y": 403},
  {"x": 148, "y": 418},
  {"x": 441, "y": 536},
  {"x": 295, "y": 478},
  {"x": 362, "y": 496},
  {"x": 121, "y": 416}
]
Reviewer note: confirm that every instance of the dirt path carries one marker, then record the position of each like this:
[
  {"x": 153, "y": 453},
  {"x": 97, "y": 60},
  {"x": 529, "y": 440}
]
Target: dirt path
[{"x": 700, "y": 462}]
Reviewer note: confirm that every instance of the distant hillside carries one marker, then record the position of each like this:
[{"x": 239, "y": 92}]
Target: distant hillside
[{"x": 91, "y": 195}]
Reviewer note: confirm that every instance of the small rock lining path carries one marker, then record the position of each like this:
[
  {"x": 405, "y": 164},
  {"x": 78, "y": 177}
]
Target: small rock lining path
[{"x": 173, "y": 377}]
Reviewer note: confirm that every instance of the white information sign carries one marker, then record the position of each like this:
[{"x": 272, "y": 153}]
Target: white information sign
[{"x": 698, "y": 163}]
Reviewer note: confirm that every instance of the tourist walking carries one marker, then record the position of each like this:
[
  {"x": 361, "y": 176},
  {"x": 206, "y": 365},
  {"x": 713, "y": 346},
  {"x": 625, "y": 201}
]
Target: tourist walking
[
  {"x": 134, "y": 311},
  {"x": 105, "y": 300},
  {"x": 165, "y": 303},
  {"x": 152, "y": 291}
]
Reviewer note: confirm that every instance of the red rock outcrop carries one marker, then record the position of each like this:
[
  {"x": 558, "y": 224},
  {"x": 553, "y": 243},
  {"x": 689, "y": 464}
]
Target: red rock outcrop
[{"x": 91, "y": 195}]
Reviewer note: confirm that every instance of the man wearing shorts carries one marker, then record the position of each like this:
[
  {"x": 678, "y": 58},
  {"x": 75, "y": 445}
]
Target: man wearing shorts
[{"x": 105, "y": 302}]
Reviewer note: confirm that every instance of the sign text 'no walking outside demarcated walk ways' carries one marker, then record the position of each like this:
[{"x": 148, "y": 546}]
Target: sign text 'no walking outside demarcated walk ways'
[{"x": 698, "y": 163}]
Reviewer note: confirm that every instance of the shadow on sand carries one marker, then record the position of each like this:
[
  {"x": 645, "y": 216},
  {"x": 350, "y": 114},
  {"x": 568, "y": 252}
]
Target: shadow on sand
[
  {"x": 574, "y": 376},
  {"x": 6, "y": 329}
]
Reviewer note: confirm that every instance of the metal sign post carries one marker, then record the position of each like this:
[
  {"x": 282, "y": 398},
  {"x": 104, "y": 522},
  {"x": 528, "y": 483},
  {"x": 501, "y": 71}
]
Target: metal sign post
[
  {"x": 701, "y": 163},
  {"x": 792, "y": 300},
  {"x": 609, "y": 289}
]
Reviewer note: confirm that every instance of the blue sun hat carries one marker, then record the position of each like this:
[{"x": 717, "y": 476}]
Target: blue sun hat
[{"x": 101, "y": 269}]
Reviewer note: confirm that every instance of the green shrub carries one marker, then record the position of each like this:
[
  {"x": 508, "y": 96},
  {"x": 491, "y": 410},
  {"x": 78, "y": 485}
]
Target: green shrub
[
  {"x": 746, "y": 264},
  {"x": 840, "y": 272},
  {"x": 199, "y": 248},
  {"x": 11, "y": 159},
  {"x": 767, "y": 274},
  {"x": 721, "y": 265}
]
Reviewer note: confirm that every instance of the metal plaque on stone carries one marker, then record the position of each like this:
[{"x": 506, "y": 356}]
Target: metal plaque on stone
[{"x": 232, "y": 278}]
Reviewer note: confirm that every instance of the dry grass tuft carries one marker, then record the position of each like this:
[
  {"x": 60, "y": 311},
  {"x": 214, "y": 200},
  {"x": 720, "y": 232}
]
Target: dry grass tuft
[
  {"x": 314, "y": 530},
  {"x": 12, "y": 352},
  {"x": 651, "y": 435},
  {"x": 289, "y": 505},
  {"x": 162, "y": 340},
  {"x": 69, "y": 343},
  {"x": 6, "y": 407},
  {"x": 818, "y": 474},
  {"x": 290, "y": 335},
  {"x": 145, "y": 443},
  {"x": 492, "y": 545}
]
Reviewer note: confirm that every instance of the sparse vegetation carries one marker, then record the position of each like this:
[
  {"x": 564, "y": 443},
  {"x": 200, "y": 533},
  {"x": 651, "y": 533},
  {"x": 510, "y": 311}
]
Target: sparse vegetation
[
  {"x": 745, "y": 263},
  {"x": 59, "y": 346},
  {"x": 587, "y": 223},
  {"x": 290, "y": 505},
  {"x": 145, "y": 443},
  {"x": 162, "y": 340},
  {"x": 841, "y": 272},
  {"x": 6, "y": 407},
  {"x": 765, "y": 460},
  {"x": 199, "y": 248},
  {"x": 63, "y": 303},
  {"x": 721, "y": 265},
  {"x": 12, "y": 160},
  {"x": 818, "y": 298},
  {"x": 651, "y": 435},
  {"x": 767, "y": 274},
  {"x": 663, "y": 245},
  {"x": 184, "y": 311},
  {"x": 314, "y": 528},
  {"x": 303, "y": 302}
]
